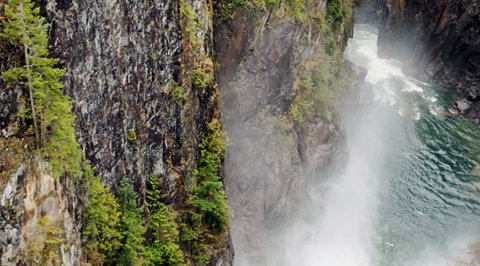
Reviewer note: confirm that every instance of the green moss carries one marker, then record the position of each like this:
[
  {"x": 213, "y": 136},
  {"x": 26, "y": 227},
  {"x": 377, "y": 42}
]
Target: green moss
[
  {"x": 132, "y": 136},
  {"x": 226, "y": 9},
  {"x": 189, "y": 24},
  {"x": 178, "y": 94},
  {"x": 299, "y": 10},
  {"x": 153, "y": 55},
  {"x": 200, "y": 78},
  {"x": 214, "y": 142},
  {"x": 320, "y": 21}
]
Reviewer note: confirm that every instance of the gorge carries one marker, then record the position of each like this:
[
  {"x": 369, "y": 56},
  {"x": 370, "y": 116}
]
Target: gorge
[{"x": 247, "y": 132}]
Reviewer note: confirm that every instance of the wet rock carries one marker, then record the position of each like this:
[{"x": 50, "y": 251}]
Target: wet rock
[
  {"x": 462, "y": 105},
  {"x": 29, "y": 195},
  {"x": 10, "y": 190}
]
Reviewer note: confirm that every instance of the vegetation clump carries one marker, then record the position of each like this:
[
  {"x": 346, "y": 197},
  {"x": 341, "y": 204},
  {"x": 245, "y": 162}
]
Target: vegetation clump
[
  {"x": 132, "y": 136},
  {"x": 188, "y": 22},
  {"x": 178, "y": 94},
  {"x": 207, "y": 198},
  {"x": 200, "y": 78},
  {"x": 303, "y": 11},
  {"x": 46, "y": 238},
  {"x": 335, "y": 9},
  {"x": 207, "y": 208},
  {"x": 318, "y": 83}
]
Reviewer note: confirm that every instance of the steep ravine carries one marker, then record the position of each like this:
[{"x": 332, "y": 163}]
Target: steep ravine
[
  {"x": 142, "y": 80},
  {"x": 156, "y": 84}
]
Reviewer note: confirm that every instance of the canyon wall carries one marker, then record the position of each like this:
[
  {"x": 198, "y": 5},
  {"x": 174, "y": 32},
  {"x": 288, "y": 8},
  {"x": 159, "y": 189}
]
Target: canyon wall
[
  {"x": 266, "y": 59},
  {"x": 143, "y": 76},
  {"x": 129, "y": 75}
]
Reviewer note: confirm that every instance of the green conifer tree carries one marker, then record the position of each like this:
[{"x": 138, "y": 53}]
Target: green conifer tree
[
  {"x": 49, "y": 108},
  {"x": 131, "y": 226},
  {"x": 207, "y": 198},
  {"x": 163, "y": 248},
  {"x": 102, "y": 217}
]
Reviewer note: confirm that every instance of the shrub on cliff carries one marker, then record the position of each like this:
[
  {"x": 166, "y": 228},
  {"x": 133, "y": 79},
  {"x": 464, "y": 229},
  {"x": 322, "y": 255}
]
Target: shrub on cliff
[
  {"x": 43, "y": 242},
  {"x": 48, "y": 108},
  {"x": 206, "y": 211},
  {"x": 334, "y": 9},
  {"x": 201, "y": 79},
  {"x": 207, "y": 198}
]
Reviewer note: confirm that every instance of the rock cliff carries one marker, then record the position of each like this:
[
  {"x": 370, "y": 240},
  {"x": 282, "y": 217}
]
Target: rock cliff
[
  {"x": 266, "y": 60},
  {"x": 138, "y": 113}
]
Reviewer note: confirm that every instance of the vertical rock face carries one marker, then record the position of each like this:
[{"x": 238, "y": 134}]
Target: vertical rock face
[
  {"x": 124, "y": 61},
  {"x": 441, "y": 42},
  {"x": 260, "y": 55}
]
